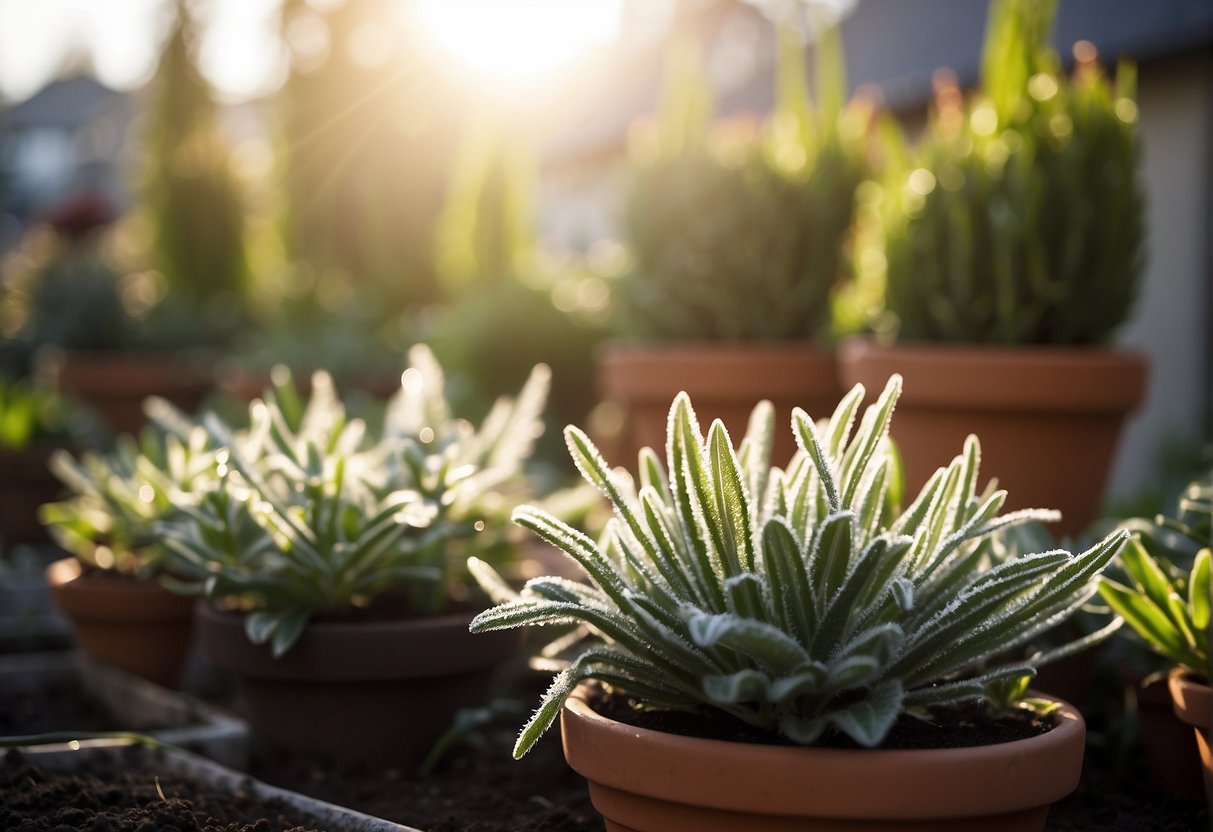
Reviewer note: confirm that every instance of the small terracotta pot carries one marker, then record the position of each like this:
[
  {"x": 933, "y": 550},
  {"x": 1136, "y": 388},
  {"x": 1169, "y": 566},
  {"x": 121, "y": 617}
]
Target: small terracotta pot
[
  {"x": 1172, "y": 760},
  {"x": 138, "y": 626},
  {"x": 366, "y": 692},
  {"x": 1193, "y": 703},
  {"x": 116, "y": 383},
  {"x": 1049, "y": 419},
  {"x": 648, "y": 781},
  {"x": 25, "y": 485},
  {"x": 724, "y": 381}
]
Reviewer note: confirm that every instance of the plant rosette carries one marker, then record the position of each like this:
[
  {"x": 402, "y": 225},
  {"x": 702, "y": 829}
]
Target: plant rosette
[
  {"x": 334, "y": 561},
  {"x": 107, "y": 519},
  {"x": 1167, "y": 599},
  {"x": 802, "y": 604}
]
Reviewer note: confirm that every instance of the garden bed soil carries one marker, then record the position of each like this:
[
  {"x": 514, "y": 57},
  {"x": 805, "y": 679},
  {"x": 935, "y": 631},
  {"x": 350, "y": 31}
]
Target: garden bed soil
[
  {"x": 480, "y": 788},
  {"x": 123, "y": 787},
  {"x": 65, "y": 692}
]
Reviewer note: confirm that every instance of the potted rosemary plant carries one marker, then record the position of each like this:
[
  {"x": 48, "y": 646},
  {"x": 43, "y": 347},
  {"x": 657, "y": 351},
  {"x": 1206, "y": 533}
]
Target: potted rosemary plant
[
  {"x": 1166, "y": 602},
  {"x": 736, "y": 232},
  {"x": 110, "y": 589},
  {"x": 331, "y": 560},
  {"x": 797, "y": 611},
  {"x": 1012, "y": 244}
]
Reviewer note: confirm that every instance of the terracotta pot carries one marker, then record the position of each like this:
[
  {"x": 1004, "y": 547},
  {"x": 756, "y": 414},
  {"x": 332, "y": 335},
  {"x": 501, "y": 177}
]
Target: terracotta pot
[
  {"x": 1049, "y": 419},
  {"x": 1193, "y": 703},
  {"x": 369, "y": 692},
  {"x": 1172, "y": 760},
  {"x": 25, "y": 485},
  {"x": 724, "y": 381},
  {"x": 138, "y": 626},
  {"x": 647, "y": 781},
  {"x": 116, "y": 383}
]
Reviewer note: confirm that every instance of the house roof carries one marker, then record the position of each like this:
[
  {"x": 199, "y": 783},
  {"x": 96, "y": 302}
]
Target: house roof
[
  {"x": 897, "y": 45},
  {"x": 68, "y": 103}
]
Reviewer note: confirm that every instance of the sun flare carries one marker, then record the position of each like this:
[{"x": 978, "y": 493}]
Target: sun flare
[{"x": 518, "y": 39}]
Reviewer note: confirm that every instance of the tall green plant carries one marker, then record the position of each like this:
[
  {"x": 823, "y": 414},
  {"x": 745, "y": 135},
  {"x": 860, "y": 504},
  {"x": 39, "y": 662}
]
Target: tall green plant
[
  {"x": 192, "y": 197},
  {"x": 1019, "y": 217},
  {"x": 365, "y": 150},
  {"x": 795, "y": 600},
  {"x": 737, "y": 230}
]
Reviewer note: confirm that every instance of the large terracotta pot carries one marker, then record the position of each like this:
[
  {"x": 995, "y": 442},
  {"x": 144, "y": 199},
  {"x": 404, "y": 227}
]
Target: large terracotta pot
[
  {"x": 138, "y": 626},
  {"x": 377, "y": 692},
  {"x": 724, "y": 381},
  {"x": 647, "y": 781},
  {"x": 1049, "y": 419},
  {"x": 116, "y": 383},
  {"x": 25, "y": 484},
  {"x": 1193, "y": 702}
]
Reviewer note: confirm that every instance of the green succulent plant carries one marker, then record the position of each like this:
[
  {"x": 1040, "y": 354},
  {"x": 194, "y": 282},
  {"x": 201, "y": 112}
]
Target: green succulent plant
[
  {"x": 117, "y": 499},
  {"x": 1167, "y": 602},
  {"x": 1018, "y": 219},
  {"x": 315, "y": 515},
  {"x": 795, "y": 600},
  {"x": 737, "y": 230}
]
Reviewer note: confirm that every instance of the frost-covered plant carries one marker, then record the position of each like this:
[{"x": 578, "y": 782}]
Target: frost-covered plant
[
  {"x": 1167, "y": 604},
  {"x": 794, "y": 600},
  {"x": 317, "y": 516},
  {"x": 109, "y": 518}
]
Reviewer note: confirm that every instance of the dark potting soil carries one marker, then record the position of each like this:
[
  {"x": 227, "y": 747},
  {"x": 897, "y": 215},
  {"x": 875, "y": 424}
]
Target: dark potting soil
[
  {"x": 952, "y": 727},
  {"x": 478, "y": 788},
  {"x": 109, "y": 798}
]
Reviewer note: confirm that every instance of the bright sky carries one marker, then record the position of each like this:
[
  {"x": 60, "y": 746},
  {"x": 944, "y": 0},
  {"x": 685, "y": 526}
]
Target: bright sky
[
  {"x": 519, "y": 39},
  {"x": 241, "y": 55}
]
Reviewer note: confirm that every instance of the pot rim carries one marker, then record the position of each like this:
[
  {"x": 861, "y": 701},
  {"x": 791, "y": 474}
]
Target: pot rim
[
  {"x": 1016, "y": 378},
  {"x": 134, "y": 600},
  {"x": 1191, "y": 699},
  {"x": 356, "y": 651},
  {"x": 826, "y": 782},
  {"x": 714, "y": 371}
]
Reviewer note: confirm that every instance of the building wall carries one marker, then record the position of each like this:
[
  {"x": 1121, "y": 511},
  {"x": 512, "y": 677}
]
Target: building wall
[{"x": 1171, "y": 322}]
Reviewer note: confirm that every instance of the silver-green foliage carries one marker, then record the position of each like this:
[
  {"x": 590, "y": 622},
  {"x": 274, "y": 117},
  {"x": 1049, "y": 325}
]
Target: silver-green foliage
[
  {"x": 787, "y": 598},
  {"x": 315, "y": 515},
  {"x": 116, "y": 500}
]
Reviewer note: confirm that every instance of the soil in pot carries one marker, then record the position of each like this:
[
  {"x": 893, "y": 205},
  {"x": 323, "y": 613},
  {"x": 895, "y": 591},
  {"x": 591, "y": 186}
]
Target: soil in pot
[{"x": 109, "y": 798}]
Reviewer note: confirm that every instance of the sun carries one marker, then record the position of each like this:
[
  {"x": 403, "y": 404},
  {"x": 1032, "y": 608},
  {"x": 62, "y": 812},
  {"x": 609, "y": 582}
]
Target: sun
[{"x": 519, "y": 39}]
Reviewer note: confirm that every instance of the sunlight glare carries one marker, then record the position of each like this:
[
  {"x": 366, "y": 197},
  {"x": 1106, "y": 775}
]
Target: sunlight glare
[{"x": 519, "y": 39}]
